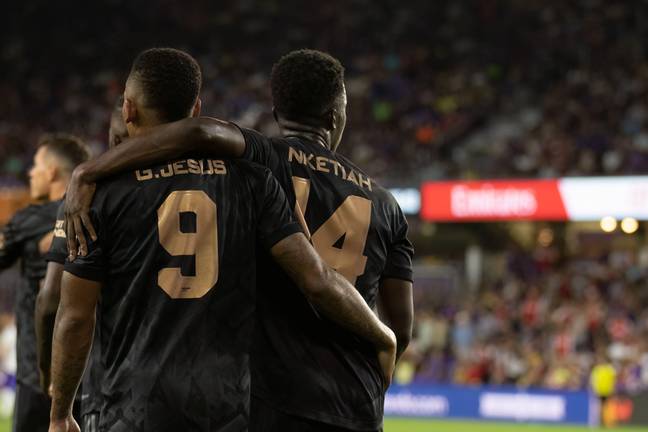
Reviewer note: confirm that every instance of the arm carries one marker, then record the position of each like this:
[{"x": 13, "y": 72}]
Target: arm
[
  {"x": 172, "y": 140},
  {"x": 397, "y": 308},
  {"x": 73, "y": 334},
  {"x": 9, "y": 246},
  {"x": 46, "y": 306},
  {"x": 196, "y": 135},
  {"x": 334, "y": 296}
]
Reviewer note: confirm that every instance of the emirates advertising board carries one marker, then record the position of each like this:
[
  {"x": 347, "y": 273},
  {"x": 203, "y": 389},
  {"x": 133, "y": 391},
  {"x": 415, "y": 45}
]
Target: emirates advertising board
[{"x": 570, "y": 198}]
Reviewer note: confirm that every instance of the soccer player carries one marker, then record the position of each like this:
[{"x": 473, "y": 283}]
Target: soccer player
[
  {"x": 307, "y": 373},
  {"x": 27, "y": 237},
  {"x": 48, "y": 300},
  {"x": 174, "y": 261}
]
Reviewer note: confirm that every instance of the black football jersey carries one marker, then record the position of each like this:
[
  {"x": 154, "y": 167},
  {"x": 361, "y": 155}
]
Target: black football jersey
[
  {"x": 20, "y": 239},
  {"x": 303, "y": 364},
  {"x": 58, "y": 249},
  {"x": 176, "y": 256},
  {"x": 90, "y": 395}
]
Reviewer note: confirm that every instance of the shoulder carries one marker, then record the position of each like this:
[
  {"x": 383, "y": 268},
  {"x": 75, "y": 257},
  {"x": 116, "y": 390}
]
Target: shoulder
[
  {"x": 252, "y": 171},
  {"x": 120, "y": 183},
  {"x": 115, "y": 189},
  {"x": 36, "y": 213},
  {"x": 378, "y": 193}
]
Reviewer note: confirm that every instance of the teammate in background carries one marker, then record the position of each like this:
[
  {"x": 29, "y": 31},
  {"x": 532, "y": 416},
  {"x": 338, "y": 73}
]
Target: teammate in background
[
  {"x": 176, "y": 254},
  {"x": 48, "y": 300},
  {"x": 307, "y": 373},
  {"x": 28, "y": 236}
]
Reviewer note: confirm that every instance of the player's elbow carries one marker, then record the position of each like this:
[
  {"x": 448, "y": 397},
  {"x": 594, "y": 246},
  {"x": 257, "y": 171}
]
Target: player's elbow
[
  {"x": 403, "y": 338},
  {"x": 74, "y": 321},
  {"x": 204, "y": 133},
  {"x": 196, "y": 132}
]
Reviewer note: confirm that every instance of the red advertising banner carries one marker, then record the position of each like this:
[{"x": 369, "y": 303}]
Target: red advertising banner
[{"x": 492, "y": 200}]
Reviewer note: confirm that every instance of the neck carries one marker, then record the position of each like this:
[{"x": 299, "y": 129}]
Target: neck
[
  {"x": 57, "y": 190},
  {"x": 301, "y": 130}
]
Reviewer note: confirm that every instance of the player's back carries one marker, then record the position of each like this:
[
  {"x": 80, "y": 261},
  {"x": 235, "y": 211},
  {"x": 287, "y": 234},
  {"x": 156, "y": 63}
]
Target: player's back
[
  {"x": 324, "y": 372},
  {"x": 176, "y": 254}
]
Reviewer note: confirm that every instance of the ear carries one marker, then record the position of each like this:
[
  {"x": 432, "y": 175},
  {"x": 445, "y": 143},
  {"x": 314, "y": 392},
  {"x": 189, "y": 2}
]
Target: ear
[
  {"x": 129, "y": 111},
  {"x": 275, "y": 114},
  {"x": 331, "y": 120},
  {"x": 196, "y": 109},
  {"x": 52, "y": 172}
]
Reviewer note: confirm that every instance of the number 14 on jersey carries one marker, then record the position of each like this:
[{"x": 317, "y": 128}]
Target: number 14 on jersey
[{"x": 340, "y": 240}]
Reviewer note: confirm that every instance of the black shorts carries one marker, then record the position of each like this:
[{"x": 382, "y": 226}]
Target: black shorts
[
  {"x": 90, "y": 422},
  {"x": 264, "y": 418},
  {"x": 31, "y": 410}
]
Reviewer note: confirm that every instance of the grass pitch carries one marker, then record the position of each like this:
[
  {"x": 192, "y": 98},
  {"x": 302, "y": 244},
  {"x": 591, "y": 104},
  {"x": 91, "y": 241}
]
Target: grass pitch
[{"x": 407, "y": 425}]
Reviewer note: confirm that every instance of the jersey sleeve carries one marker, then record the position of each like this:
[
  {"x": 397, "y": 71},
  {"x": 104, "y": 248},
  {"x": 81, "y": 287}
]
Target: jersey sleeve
[
  {"x": 401, "y": 251},
  {"x": 58, "y": 249},
  {"x": 275, "y": 218},
  {"x": 93, "y": 266},
  {"x": 11, "y": 241},
  {"x": 259, "y": 149}
]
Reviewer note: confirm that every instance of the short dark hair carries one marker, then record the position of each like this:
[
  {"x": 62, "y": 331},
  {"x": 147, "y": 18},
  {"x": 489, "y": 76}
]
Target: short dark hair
[
  {"x": 306, "y": 83},
  {"x": 170, "y": 80},
  {"x": 68, "y": 149}
]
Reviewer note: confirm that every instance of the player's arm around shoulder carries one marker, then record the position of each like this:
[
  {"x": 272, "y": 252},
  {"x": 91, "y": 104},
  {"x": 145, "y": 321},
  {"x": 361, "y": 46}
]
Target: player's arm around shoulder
[
  {"x": 202, "y": 135},
  {"x": 335, "y": 297}
]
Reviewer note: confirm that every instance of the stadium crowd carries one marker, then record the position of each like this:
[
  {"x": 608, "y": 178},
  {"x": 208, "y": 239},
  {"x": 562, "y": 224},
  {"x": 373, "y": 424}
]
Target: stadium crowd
[
  {"x": 544, "y": 324},
  {"x": 476, "y": 89}
]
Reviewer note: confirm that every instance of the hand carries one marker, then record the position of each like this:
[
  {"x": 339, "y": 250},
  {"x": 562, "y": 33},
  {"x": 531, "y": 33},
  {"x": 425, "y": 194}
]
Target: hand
[
  {"x": 67, "y": 424},
  {"x": 387, "y": 358},
  {"x": 78, "y": 199}
]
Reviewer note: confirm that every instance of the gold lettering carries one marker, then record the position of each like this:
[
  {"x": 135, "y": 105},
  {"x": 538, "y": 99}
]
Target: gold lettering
[
  {"x": 309, "y": 162},
  {"x": 302, "y": 190},
  {"x": 321, "y": 164},
  {"x": 343, "y": 170},
  {"x": 364, "y": 182},
  {"x": 219, "y": 167},
  {"x": 194, "y": 166},
  {"x": 297, "y": 155},
  {"x": 58, "y": 229},
  {"x": 352, "y": 177},
  {"x": 335, "y": 167},
  {"x": 202, "y": 244},
  {"x": 168, "y": 172},
  {"x": 142, "y": 175},
  {"x": 179, "y": 168},
  {"x": 209, "y": 170}
]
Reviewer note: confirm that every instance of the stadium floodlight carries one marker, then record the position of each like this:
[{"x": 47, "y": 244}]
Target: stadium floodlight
[
  {"x": 608, "y": 224},
  {"x": 629, "y": 225}
]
